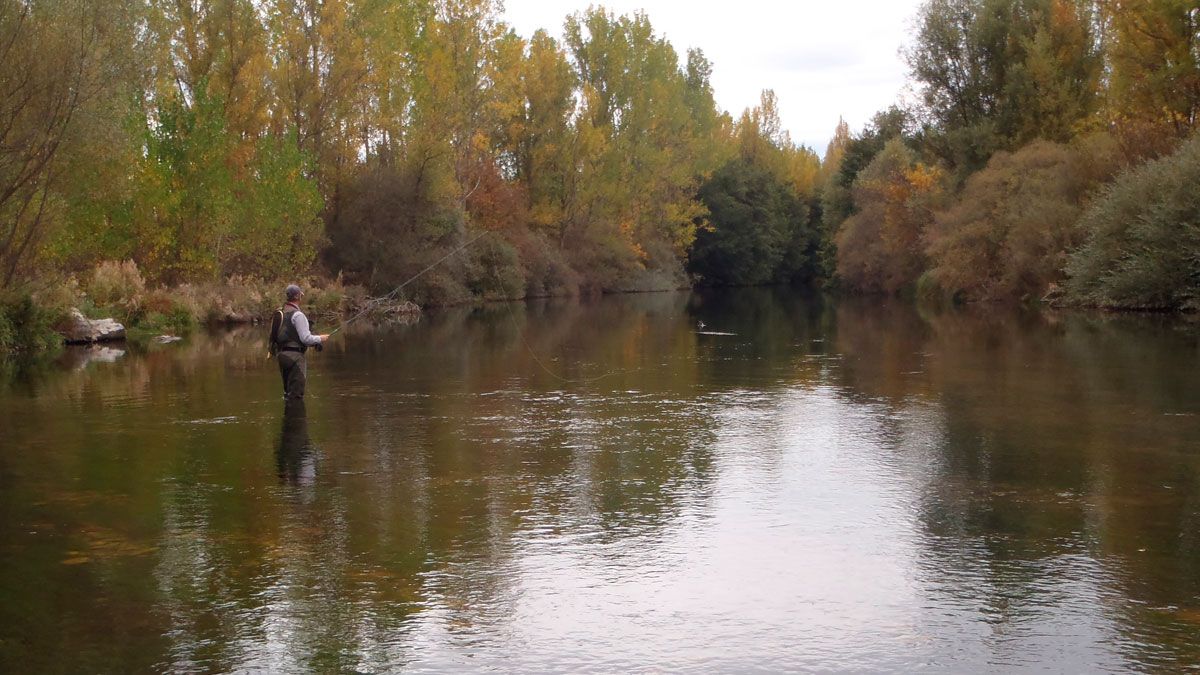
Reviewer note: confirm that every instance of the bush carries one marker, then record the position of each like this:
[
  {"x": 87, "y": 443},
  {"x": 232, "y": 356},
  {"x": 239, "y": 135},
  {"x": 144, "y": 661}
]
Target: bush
[
  {"x": 327, "y": 301},
  {"x": 162, "y": 311},
  {"x": 1008, "y": 233},
  {"x": 879, "y": 247},
  {"x": 494, "y": 272},
  {"x": 116, "y": 284},
  {"x": 546, "y": 270},
  {"x": 1142, "y": 248},
  {"x": 236, "y": 300},
  {"x": 25, "y": 326}
]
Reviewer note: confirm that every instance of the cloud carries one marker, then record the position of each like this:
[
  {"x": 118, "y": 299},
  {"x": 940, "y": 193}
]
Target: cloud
[{"x": 813, "y": 58}]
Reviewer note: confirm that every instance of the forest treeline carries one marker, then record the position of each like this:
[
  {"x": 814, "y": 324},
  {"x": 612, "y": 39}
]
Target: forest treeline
[{"x": 1046, "y": 153}]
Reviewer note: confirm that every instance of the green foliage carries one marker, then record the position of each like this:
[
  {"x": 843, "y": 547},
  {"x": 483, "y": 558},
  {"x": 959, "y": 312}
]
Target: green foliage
[
  {"x": 391, "y": 225},
  {"x": 1000, "y": 73},
  {"x": 276, "y": 228},
  {"x": 199, "y": 215},
  {"x": 759, "y": 230},
  {"x": 217, "y": 144},
  {"x": 1142, "y": 248},
  {"x": 64, "y": 70},
  {"x": 847, "y": 157},
  {"x": 494, "y": 271},
  {"x": 633, "y": 207},
  {"x": 146, "y": 324},
  {"x": 25, "y": 325}
]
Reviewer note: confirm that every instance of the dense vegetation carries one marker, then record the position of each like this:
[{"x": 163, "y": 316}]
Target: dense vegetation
[
  {"x": 263, "y": 139},
  {"x": 1019, "y": 176}
]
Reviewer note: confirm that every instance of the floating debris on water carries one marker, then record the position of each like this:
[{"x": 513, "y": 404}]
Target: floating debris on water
[{"x": 212, "y": 420}]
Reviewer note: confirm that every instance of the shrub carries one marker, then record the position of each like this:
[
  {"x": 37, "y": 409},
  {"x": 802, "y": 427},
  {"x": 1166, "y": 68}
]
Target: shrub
[
  {"x": 238, "y": 299},
  {"x": 1142, "y": 247},
  {"x": 163, "y": 311},
  {"x": 493, "y": 270},
  {"x": 546, "y": 270},
  {"x": 1008, "y": 233},
  {"x": 325, "y": 300},
  {"x": 25, "y": 326},
  {"x": 58, "y": 297},
  {"x": 116, "y": 284},
  {"x": 879, "y": 247}
]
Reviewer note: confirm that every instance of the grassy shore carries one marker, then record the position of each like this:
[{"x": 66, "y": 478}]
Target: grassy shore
[{"x": 32, "y": 319}]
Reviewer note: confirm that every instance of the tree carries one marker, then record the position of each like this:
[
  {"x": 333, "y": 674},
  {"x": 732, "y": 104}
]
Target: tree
[
  {"x": 200, "y": 211},
  {"x": 1142, "y": 238},
  {"x": 1154, "y": 48},
  {"x": 879, "y": 247},
  {"x": 1007, "y": 235},
  {"x": 855, "y": 153},
  {"x": 542, "y": 149},
  {"x": 67, "y": 70},
  {"x": 319, "y": 78},
  {"x": 996, "y": 74},
  {"x": 756, "y": 220},
  {"x": 634, "y": 213}
]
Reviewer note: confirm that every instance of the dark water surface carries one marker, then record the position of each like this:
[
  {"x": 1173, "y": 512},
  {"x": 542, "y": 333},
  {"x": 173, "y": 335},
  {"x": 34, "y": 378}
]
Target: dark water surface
[{"x": 848, "y": 487}]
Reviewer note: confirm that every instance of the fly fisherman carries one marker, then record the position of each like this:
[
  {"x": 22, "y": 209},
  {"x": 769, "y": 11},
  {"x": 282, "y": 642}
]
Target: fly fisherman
[{"x": 290, "y": 338}]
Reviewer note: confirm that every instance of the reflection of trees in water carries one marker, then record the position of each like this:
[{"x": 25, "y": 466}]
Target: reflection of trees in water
[
  {"x": 445, "y": 455},
  {"x": 261, "y": 564},
  {"x": 1057, "y": 447},
  {"x": 1035, "y": 445},
  {"x": 494, "y": 451},
  {"x": 774, "y": 330}
]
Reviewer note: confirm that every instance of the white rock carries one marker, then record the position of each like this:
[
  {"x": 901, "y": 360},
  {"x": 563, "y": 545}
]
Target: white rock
[{"x": 82, "y": 329}]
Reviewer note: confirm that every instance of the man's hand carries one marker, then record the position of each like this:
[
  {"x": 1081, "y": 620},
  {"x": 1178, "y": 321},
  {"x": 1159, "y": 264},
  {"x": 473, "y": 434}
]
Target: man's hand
[{"x": 323, "y": 338}]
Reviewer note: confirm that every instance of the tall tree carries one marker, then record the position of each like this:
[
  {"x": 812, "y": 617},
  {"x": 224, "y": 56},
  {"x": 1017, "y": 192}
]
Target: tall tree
[
  {"x": 879, "y": 247},
  {"x": 999, "y": 73},
  {"x": 1155, "y": 53},
  {"x": 63, "y": 64},
  {"x": 638, "y": 209}
]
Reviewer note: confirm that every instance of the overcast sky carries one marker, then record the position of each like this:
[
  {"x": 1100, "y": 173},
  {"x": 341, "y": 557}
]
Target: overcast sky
[{"x": 823, "y": 58}]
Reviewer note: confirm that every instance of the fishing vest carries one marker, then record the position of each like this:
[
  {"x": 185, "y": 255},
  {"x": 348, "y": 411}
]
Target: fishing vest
[{"x": 287, "y": 338}]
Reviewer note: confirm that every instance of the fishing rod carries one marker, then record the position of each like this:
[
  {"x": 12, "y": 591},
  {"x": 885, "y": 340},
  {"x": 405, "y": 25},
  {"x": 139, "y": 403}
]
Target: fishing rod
[{"x": 371, "y": 304}]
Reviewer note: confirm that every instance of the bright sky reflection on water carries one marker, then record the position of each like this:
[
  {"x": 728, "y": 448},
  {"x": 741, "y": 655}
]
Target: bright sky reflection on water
[{"x": 847, "y": 487}]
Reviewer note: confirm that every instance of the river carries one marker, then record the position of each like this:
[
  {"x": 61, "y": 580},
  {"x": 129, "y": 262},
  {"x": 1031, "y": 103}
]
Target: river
[{"x": 604, "y": 486}]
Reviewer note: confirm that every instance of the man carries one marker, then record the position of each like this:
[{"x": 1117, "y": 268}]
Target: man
[{"x": 291, "y": 341}]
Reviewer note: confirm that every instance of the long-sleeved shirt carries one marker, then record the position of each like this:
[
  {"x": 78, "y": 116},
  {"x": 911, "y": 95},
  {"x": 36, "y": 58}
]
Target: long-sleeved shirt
[{"x": 302, "y": 330}]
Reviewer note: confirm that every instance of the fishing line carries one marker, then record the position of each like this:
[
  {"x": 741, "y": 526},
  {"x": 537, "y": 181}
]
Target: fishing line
[{"x": 373, "y": 302}]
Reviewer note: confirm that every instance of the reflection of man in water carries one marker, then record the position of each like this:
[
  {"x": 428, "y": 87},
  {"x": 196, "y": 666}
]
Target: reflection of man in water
[{"x": 296, "y": 458}]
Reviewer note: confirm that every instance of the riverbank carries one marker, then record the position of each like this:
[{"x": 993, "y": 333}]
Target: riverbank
[{"x": 37, "y": 318}]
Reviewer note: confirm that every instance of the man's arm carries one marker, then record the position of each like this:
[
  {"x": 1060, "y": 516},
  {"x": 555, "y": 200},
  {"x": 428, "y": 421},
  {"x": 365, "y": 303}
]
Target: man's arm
[{"x": 301, "y": 323}]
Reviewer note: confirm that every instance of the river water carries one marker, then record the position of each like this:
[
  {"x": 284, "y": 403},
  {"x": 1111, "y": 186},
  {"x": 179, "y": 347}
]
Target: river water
[{"x": 603, "y": 486}]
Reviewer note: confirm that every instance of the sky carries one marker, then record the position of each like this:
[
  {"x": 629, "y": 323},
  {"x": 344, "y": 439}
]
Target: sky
[{"x": 823, "y": 58}]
